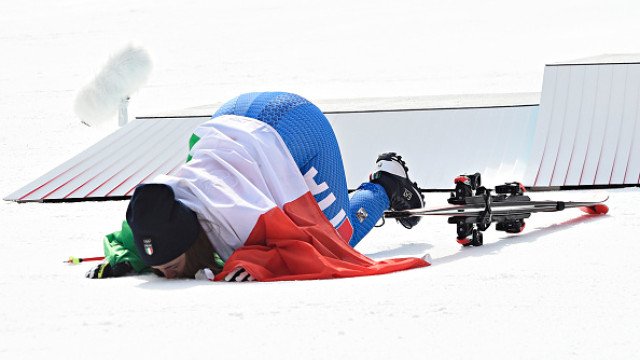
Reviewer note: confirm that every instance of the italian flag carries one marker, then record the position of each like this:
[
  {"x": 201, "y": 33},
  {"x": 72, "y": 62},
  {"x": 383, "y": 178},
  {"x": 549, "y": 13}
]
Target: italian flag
[{"x": 297, "y": 242}]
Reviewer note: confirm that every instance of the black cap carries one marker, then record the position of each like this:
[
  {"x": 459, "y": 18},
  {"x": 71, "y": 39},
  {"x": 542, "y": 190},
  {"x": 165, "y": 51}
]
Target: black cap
[{"x": 163, "y": 227}]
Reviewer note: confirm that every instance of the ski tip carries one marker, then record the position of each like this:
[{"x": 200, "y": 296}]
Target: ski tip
[
  {"x": 595, "y": 209},
  {"x": 427, "y": 258}
]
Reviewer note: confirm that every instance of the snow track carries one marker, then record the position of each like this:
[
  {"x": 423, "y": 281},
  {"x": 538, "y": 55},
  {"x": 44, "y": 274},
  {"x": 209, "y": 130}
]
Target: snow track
[{"x": 564, "y": 288}]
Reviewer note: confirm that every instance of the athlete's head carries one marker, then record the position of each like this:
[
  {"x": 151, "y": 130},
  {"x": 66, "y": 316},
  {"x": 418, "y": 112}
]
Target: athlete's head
[{"x": 163, "y": 228}]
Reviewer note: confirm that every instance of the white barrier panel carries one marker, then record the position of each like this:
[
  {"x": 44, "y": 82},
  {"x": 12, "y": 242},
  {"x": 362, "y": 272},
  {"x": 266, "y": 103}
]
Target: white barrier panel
[
  {"x": 439, "y": 144},
  {"x": 114, "y": 166},
  {"x": 588, "y": 130}
]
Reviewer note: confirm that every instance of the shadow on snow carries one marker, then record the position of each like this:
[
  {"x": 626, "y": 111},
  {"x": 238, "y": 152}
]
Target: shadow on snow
[{"x": 530, "y": 237}]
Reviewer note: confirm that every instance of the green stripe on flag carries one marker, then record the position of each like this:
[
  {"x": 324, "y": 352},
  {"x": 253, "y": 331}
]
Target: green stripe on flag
[{"x": 192, "y": 141}]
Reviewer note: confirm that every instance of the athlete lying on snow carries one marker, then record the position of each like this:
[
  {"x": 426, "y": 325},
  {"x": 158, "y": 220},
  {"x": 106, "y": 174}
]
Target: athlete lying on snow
[{"x": 262, "y": 196}]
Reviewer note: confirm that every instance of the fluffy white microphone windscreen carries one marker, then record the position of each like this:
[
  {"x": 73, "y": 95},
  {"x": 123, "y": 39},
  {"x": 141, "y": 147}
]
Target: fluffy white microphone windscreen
[{"x": 124, "y": 73}]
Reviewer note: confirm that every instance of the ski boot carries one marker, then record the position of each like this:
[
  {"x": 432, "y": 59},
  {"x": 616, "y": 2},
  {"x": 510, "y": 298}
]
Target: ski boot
[{"x": 391, "y": 174}]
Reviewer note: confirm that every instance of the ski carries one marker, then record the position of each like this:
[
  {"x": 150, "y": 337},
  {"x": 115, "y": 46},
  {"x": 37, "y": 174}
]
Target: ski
[
  {"x": 474, "y": 208},
  {"x": 504, "y": 208}
]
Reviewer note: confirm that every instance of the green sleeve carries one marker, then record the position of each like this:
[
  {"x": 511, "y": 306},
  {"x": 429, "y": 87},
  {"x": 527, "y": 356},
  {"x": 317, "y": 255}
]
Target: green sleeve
[{"x": 119, "y": 247}]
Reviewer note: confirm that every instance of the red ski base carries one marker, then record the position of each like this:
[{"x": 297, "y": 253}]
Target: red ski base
[{"x": 595, "y": 209}]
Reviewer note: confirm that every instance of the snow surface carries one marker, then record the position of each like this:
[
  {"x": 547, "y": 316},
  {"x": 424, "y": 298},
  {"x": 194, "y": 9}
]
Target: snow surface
[{"x": 565, "y": 288}]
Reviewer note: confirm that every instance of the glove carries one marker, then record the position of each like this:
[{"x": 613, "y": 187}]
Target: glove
[
  {"x": 239, "y": 275},
  {"x": 105, "y": 270}
]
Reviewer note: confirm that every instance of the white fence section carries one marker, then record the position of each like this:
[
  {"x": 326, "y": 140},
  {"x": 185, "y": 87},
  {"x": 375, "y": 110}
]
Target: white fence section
[
  {"x": 115, "y": 165},
  {"x": 439, "y": 144},
  {"x": 588, "y": 129}
]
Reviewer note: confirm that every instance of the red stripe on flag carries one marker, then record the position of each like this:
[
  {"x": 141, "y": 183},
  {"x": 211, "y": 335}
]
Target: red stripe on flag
[{"x": 297, "y": 242}]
